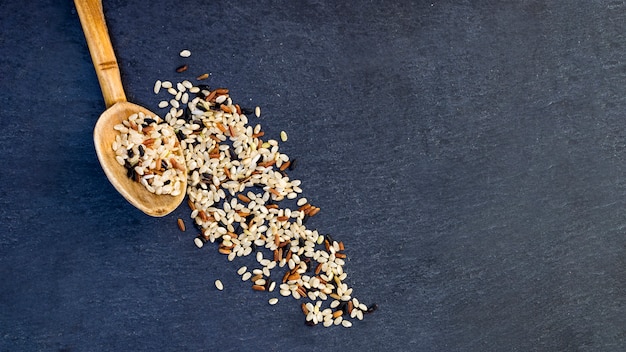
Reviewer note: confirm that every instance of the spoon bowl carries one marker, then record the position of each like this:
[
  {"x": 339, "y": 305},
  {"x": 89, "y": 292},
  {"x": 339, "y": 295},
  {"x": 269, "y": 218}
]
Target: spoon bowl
[
  {"x": 103, "y": 136},
  {"x": 118, "y": 109}
]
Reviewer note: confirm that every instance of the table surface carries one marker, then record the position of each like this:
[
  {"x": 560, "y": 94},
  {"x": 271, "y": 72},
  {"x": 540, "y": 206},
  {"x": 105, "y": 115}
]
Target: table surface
[{"x": 470, "y": 154}]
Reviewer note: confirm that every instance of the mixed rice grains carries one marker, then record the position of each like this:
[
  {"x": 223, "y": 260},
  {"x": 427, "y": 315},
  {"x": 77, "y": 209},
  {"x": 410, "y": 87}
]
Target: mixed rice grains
[
  {"x": 243, "y": 200},
  {"x": 150, "y": 153}
]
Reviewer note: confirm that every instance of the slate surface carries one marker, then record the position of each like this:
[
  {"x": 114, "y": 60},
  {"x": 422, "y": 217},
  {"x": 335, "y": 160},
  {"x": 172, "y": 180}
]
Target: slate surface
[{"x": 470, "y": 154}]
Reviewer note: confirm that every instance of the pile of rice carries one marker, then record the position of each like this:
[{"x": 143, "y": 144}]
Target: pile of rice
[{"x": 149, "y": 150}]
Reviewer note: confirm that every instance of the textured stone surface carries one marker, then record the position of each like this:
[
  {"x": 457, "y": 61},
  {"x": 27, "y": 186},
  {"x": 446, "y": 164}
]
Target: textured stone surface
[{"x": 470, "y": 155}]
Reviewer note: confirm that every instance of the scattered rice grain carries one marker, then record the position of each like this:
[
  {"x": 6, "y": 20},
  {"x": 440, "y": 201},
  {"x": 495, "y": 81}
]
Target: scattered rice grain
[{"x": 157, "y": 86}]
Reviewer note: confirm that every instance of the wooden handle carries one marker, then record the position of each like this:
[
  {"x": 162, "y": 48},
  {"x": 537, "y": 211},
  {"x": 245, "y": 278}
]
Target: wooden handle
[{"x": 102, "y": 54}]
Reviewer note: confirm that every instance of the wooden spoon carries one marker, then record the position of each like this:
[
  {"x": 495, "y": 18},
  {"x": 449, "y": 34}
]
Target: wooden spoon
[{"x": 118, "y": 109}]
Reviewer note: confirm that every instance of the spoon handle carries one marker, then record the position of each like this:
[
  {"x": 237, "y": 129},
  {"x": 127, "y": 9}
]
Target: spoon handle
[{"x": 102, "y": 54}]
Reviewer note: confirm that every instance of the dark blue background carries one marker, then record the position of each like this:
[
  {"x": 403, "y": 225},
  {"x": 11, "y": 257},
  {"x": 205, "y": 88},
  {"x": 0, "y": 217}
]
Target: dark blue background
[{"x": 471, "y": 155}]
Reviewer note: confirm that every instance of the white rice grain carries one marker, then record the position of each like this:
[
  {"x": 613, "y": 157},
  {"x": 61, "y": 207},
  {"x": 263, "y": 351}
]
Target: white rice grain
[
  {"x": 221, "y": 99},
  {"x": 157, "y": 86}
]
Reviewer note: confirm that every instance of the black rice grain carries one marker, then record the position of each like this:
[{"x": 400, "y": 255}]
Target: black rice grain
[
  {"x": 292, "y": 165},
  {"x": 372, "y": 308},
  {"x": 247, "y": 111},
  {"x": 131, "y": 173},
  {"x": 181, "y": 136}
]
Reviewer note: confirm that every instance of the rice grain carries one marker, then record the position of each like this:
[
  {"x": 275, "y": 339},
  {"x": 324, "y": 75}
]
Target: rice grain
[{"x": 157, "y": 86}]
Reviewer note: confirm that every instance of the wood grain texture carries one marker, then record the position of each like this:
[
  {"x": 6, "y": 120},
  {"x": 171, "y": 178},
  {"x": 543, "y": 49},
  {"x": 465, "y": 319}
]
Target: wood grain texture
[{"x": 97, "y": 34}]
